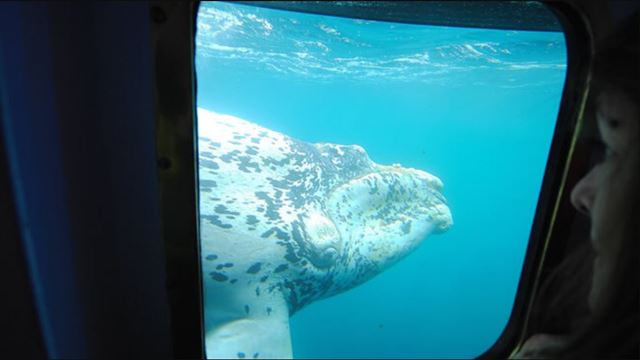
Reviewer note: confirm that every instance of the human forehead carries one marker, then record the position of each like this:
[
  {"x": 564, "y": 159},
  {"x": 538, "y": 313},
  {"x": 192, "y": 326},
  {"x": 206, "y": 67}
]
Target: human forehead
[{"x": 618, "y": 121}]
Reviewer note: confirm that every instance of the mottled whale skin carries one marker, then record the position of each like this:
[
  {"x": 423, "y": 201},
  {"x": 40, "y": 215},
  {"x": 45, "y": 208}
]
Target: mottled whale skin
[{"x": 284, "y": 223}]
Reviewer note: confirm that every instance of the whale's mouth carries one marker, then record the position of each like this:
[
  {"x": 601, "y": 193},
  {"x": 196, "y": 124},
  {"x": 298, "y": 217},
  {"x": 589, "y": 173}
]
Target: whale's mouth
[
  {"x": 390, "y": 211},
  {"x": 391, "y": 194}
]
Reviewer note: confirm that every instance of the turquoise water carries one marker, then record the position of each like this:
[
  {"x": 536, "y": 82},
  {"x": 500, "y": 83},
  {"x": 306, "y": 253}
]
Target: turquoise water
[{"x": 474, "y": 107}]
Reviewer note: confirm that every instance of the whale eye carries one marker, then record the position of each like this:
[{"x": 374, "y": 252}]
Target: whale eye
[
  {"x": 330, "y": 254},
  {"x": 325, "y": 258},
  {"x": 322, "y": 239}
]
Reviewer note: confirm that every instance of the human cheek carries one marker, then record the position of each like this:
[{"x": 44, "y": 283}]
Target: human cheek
[{"x": 602, "y": 203}]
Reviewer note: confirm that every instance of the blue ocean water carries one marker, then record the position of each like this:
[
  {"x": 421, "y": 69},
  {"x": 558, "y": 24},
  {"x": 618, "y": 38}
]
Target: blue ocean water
[{"x": 475, "y": 107}]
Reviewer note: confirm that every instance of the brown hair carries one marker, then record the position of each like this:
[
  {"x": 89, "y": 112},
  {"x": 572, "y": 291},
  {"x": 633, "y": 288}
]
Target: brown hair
[{"x": 611, "y": 329}]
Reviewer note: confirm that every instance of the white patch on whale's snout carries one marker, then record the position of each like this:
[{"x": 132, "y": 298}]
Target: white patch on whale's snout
[{"x": 388, "y": 213}]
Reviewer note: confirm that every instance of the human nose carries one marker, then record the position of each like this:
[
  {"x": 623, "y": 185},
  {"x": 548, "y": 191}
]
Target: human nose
[{"x": 583, "y": 194}]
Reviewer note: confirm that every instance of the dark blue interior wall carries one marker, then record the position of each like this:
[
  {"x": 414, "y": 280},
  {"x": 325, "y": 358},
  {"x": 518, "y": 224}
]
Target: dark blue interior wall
[
  {"x": 79, "y": 133},
  {"x": 21, "y": 333},
  {"x": 32, "y": 140}
]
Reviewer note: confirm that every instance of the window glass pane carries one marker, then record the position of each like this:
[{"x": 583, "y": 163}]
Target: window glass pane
[{"x": 323, "y": 144}]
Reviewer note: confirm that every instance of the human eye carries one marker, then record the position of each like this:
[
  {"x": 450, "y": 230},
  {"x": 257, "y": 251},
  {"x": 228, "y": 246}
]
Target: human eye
[{"x": 601, "y": 151}]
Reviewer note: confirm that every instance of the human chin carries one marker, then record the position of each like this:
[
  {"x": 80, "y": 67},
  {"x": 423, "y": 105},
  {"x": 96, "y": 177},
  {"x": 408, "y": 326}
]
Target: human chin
[
  {"x": 602, "y": 268},
  {"x": 596, "y": 283}
]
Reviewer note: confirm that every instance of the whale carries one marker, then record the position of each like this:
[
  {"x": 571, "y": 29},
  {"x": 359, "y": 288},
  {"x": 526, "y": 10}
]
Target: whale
[{"x": 284, "y": 223}]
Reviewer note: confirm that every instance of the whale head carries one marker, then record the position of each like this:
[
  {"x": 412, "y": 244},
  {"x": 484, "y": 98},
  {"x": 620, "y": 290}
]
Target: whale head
[{"x": 373, "y": 216}]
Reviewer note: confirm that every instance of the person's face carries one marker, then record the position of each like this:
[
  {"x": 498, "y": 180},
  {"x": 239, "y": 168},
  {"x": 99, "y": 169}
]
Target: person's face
[{"x": 617, "y": 118}]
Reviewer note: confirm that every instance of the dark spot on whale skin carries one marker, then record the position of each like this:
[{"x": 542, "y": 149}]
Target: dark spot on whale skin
[
  {"x": 297, "y": 234},
  {"x": 208, "y": 183},
  {"x": 293, "y": 297},
  {"x": 272, "y": 207},
  {"x": 241, "y": 355},
  {"x": 215, "y": 220},
  {"x": 281, "y": 268},
  {"x": 406, "y": 227},
  {"x": 221, "y": 209},
  {"x": 251, "y": 150},
  {"x": 239, "y": 137},
  {"x": 246, "y": 309},
  {"x": 268, "y": 233},
  {"x": 218, "y": 276},
  {"x": 252, "y": 220},
  {"x": 255, "y": 268},
  {"x": 209, "y": 164},
  {"x": 291, "y": 254},
  {"x": 269, "y": 311},
  {"x": 292, "y": 258},
  {"x": 211, "y": 257},
  {"x": 276, "y": 230},
  {"x": 221, "y": 266},
  {"x": 233, "y": 281},
  {"x": 257, "y": 290},
  {"x": 264, "y": 278},
  {"x": 228, "y": 157},
  {"x": 246, "y": 163},
  {"x": 255, "y": 355},
  {"x": 295, "y": 176},
  {"x": 255, "y": 140}
]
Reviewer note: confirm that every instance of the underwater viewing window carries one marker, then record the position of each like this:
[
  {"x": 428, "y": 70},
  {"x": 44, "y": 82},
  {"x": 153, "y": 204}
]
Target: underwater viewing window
[{"x": 368, "y": 184}]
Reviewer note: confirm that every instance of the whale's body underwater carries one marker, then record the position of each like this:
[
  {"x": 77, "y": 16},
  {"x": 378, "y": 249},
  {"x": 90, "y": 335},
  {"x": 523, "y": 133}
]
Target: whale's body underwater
[{"x": 285, "y": 223}]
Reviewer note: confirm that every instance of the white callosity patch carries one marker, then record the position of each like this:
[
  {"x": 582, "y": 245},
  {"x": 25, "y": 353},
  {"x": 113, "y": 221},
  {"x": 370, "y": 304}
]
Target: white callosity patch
[
  {"x": 386, "y": 214},
  {"x": 284, "y": 223}
]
